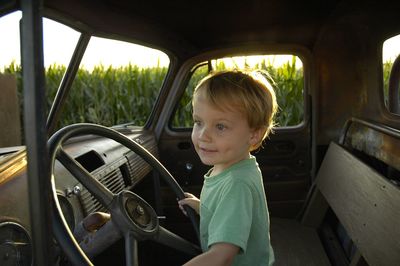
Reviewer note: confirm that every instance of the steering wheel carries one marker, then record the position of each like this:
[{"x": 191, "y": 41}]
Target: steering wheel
[{"x": 131, "y": 216}]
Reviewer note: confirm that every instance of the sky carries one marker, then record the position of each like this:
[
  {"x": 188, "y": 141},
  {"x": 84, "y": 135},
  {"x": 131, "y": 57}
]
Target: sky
[
  {"x": 118, "y": 53},
  {"x": 56, "y": 35}
]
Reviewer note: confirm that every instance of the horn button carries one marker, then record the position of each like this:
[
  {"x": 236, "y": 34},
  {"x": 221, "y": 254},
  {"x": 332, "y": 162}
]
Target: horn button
[{"x": 140, "y": 212}]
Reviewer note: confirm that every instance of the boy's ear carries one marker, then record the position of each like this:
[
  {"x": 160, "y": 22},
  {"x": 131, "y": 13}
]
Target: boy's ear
[{"x": 257, "y": 136}]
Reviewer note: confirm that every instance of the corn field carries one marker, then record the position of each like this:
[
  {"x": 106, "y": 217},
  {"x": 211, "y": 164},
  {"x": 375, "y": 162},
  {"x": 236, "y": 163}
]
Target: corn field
[
  {"x": 112, "y": 96},
  {"x": 288, "y": 83},
  {"x": 107, "y": 96}
]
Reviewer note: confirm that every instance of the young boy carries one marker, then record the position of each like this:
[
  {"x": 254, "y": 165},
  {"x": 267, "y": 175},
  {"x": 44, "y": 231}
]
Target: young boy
[{"x": 233, "y": 113}]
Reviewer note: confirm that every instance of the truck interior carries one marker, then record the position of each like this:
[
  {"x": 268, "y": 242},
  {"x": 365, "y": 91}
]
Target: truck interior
[{"x": 90, "y": 176}]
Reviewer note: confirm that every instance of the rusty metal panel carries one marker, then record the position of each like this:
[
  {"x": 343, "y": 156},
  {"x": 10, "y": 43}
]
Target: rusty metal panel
[{"x": 378, "y": 141}]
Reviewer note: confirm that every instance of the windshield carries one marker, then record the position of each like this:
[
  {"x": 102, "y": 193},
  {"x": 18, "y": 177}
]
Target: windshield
[{"x": 117, "y": 82}]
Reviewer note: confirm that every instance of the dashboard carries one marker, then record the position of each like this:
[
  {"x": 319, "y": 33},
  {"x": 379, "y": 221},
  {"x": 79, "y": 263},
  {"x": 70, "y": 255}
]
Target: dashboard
[{"x": 114, "y": 165}]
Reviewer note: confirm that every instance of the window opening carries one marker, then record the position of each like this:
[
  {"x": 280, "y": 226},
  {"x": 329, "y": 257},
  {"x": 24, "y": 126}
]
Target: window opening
[{"x": 286, "y": 72}]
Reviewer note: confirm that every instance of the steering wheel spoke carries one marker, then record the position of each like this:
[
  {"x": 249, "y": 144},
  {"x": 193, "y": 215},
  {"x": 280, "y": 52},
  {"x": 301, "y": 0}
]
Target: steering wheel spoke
[
  {"x": 131, "y": 249},
  {"x": 100, "y": 192},
  {"x": 172, "y": 240}
]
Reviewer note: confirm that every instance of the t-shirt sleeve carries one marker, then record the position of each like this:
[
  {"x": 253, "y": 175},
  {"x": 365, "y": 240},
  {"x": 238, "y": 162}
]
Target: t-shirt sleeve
[{"x": 232, "y": 219}]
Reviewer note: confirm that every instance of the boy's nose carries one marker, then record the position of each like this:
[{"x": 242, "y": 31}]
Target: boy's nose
[{"x": 204, "y": 134}]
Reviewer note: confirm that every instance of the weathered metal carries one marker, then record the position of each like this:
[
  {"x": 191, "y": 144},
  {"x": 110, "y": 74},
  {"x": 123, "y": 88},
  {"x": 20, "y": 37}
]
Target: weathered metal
[{"x": 379, "y": 141}]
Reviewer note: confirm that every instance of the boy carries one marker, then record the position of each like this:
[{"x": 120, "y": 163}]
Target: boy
[{"x": 233, "y": 113}]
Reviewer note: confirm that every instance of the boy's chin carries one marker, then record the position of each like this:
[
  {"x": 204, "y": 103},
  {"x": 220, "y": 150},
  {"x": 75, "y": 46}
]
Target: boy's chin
[{"x": 206, "y": 162}]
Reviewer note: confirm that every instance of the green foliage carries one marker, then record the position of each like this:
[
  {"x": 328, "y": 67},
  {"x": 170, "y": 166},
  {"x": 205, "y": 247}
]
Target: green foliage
[
  {"x": 183, "y": 114},
  {"x": 289, "y": 90},
  {"x": 288, "y": 83},
  {"x": 111, "y": 96},
  {"x": 387, "y": 66},
  {"x": 107, "y": 96}
]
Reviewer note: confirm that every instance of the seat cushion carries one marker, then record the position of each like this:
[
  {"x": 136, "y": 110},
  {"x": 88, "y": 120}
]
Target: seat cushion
[{"x": 295, "y": 244}]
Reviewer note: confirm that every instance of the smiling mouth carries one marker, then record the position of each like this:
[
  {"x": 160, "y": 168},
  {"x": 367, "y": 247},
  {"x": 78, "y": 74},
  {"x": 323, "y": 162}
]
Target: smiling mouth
[{"x": 207, "y": 150}]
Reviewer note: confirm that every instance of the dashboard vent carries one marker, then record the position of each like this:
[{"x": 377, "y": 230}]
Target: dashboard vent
[
  {"x": 113, "y": 180},
  {"x": 111, "y": 176},
  {"x": 138, "y": 168}
]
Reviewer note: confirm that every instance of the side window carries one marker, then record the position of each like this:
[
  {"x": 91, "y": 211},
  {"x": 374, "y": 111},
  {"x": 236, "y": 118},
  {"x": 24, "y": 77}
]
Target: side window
[
  {"x": 286, "y": 76},
  {"x": 183, "y": 113},
  {"x": 391, "y": 73}
]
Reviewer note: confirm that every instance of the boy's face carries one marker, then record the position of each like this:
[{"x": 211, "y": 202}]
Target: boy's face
[{"x": 221, "y": 137}]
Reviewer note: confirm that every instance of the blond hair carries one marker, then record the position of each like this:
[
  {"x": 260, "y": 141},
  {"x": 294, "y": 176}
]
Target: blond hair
[{"x": 250, "y": 93}]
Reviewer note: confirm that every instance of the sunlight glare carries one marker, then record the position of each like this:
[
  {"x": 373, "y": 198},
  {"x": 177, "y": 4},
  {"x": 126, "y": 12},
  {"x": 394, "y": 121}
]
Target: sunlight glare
[
  {"x": 391, "y": 49},
  {"x": 60, "y": 41},
  {"x": 117, "y": 53},
  {"x": 241, "y": 62}
]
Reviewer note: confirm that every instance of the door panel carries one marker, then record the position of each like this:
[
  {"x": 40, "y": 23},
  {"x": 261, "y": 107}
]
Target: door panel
[{"x": 284, "y": 161}]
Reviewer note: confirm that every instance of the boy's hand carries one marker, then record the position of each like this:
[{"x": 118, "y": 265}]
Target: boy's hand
[{"x": 192, "y": 201}]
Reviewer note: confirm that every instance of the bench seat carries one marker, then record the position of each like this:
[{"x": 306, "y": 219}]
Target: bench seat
[
  {"x": 295, "y": 244},
  {"x": 365, "y": 203}
]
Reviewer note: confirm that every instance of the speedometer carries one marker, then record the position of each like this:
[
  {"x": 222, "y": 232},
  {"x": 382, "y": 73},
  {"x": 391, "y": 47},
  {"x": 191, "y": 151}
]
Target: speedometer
[{"x": 15, "y": 245}]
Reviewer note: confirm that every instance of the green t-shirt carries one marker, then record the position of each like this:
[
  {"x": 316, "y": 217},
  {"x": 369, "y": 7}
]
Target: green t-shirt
[{"x": 233, "y": 209}]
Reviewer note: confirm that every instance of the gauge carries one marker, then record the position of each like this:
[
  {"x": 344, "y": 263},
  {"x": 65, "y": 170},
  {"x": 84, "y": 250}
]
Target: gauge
[
  {"x": 15, "y": 245},
  {"x": 67, "y": 210}
]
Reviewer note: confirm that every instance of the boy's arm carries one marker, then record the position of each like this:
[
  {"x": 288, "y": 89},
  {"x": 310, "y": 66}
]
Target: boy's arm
[{"x": 220, "y": 254}]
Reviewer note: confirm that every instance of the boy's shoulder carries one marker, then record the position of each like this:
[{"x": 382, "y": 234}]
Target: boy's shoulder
[
  {"x": 245, "y": 170},
  {"x": 246, "y": 176}
]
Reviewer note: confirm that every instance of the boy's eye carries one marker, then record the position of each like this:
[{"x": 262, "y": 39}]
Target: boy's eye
[
  {"x": 196, "y": 122},
  {"x": 221, "y": 127}
]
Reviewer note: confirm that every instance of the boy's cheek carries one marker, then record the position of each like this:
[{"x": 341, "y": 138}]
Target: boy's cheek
[{"x": 194, "y": 137}]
